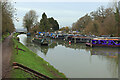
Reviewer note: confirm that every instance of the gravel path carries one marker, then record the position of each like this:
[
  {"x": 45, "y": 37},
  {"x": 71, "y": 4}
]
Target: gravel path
[{"x": 6, "y": 57}]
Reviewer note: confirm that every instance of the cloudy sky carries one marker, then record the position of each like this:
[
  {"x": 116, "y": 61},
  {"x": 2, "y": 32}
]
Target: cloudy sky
[
  {"x": 64, "y": 0},
  {"x": 64, "y": 12}
]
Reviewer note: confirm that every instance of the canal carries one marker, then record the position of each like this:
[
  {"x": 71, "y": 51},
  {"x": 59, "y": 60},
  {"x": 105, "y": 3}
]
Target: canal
[{"x": 77, "y": 60}]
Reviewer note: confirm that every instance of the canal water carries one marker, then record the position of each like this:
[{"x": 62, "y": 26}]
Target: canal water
[{"x": 77, "y": 60}]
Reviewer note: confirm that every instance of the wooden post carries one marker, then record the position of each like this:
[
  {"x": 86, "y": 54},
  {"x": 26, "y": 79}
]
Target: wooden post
[
  {"x": 19, "y": 49},
  {"x": 31, "y": 71}
]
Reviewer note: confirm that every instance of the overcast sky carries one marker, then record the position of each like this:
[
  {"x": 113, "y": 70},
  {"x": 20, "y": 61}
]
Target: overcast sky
[
  {"x": 64, "y": 0},
  {"x": 64, "y": 12}
]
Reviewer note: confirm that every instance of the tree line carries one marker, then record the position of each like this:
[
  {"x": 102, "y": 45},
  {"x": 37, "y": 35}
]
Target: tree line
[
  {"x": 7, "y": 10},
  {"x": 45, "y": 25},
  {"x": 104, "y": 21}
]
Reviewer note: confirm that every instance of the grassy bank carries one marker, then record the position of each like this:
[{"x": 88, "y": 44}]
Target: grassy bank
[{"x": 33, "y": 61}]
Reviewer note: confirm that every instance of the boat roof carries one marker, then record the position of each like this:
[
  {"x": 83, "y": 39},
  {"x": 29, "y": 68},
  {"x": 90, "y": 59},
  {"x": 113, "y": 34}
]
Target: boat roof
[
  {"x": 107, "y": 38},
  {"x": 81, "y": 37}
]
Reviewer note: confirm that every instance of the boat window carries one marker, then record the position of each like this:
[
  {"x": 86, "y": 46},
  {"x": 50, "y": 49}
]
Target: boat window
[
  {"x": 118, "y": 42},
  {"x": 102, "y": 42},
  {"x": 113, "y": 42},
  {"x": 77, "y": 38},
  {"x": 110, "y": 42},
  {"x": 107, "y": 42},
  {"x": 88, "y": 41},
  {"x": 94, "y": 41}
]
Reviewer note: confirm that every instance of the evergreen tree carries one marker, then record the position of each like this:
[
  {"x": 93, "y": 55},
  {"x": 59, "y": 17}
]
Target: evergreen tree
[
  {"x": 54, "y": 24},
  {"x": 46, "y": 24}
]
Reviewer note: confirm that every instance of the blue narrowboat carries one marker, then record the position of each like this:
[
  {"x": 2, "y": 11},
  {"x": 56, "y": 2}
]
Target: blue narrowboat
[{"x": 105, "y": 42}]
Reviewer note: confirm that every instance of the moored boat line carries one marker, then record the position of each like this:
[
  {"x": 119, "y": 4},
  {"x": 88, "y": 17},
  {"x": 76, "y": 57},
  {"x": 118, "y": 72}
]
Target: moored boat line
[{"x": 91, "y": 41}]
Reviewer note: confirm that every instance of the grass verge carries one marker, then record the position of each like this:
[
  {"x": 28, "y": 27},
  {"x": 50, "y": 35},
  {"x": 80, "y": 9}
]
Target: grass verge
[{"x": 33, "y": 61}]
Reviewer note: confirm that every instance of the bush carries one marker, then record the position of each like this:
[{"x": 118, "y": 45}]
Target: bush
[
  {"x": 4, "y": 36},
  {"x": 17, "y": 38}
]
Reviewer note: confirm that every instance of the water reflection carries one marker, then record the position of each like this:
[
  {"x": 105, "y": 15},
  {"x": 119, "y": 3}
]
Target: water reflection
[
  {"x": 110, "y": 52},
  {"x": 53, "y": 44},
  {"x": 101, "y": 62},
  {"x": 73, "y": 46},
  {"x": 111, "y": 56},
  {"x": 44, "y": 49}
]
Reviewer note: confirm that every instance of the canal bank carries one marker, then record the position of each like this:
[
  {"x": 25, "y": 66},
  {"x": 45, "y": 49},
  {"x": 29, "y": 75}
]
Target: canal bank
[{"x": 33, "y": 61}]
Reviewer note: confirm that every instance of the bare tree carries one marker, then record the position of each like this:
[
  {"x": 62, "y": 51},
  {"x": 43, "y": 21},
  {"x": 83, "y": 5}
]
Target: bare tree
[
  {"x": 81, "y": 23},
  {"x": 7, "y": 17},
  {"x": 30, "y": 19}
]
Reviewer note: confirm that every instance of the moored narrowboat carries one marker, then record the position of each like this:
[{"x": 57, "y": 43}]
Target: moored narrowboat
[
  {"x": 44, "y": 42},
  {"x": 37, "y": 40},
  {"x": 105, "y": 42},
  {"x": 59, "y": 36},
  {"x": 80, "y": 39}
]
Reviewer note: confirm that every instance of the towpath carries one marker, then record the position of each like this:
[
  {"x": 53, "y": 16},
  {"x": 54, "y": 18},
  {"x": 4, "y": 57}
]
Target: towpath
[{"x": 6, "y": 56}]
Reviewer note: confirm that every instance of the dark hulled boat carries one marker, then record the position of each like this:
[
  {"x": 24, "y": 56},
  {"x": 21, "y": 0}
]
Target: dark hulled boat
[
  {"x": 44, "y": 42},
  {"x": 37, "y": 40},
  {"x": 41, "y": 41}
]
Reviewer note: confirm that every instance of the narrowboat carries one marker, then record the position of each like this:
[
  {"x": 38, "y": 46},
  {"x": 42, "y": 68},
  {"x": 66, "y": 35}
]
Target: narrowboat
[
  {"x": 44, "y": 42},
  {"x": 28, "y": 34},
  {"x": 41, "y": 41},
  {"x": 53, "y": 36},
  {"x": 59, "y": 36},
  {"x": 37, "y": 40},
  {"x": 105, "y": 42},
  {"x": 80, "y": 39},
  {"x": 69, "y": 37}
]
